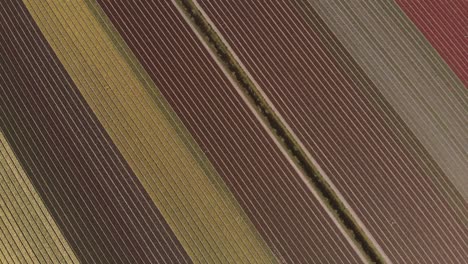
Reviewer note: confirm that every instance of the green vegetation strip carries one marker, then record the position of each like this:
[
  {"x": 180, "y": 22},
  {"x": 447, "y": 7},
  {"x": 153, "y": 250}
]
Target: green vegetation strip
[{"x": 280, "y": 130}]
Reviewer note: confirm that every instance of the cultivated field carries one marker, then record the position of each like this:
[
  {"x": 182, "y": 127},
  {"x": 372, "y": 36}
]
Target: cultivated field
[
  {"x": 29, "y": 234},
  {"x": 444, "y": 24},
  {"x": 340, "y": 118},
  {"x": 204, "y": 219},
  {"x": 88, "y": 188},
  {"x": 276, "y": 199},
  {"x": 410, "y": 75},
  {"x": 222, "y": 131}
]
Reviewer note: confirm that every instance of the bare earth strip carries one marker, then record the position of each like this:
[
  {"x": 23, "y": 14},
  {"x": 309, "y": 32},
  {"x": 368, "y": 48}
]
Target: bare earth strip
[
  {"x": 204, "y": 218},
  {"x": 345, "y": 124}
]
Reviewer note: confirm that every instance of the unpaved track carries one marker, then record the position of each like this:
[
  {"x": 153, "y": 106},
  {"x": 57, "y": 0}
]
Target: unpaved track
[
  {"x": 286, "y": 213},
  {"x": 371, "y": 157}
]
